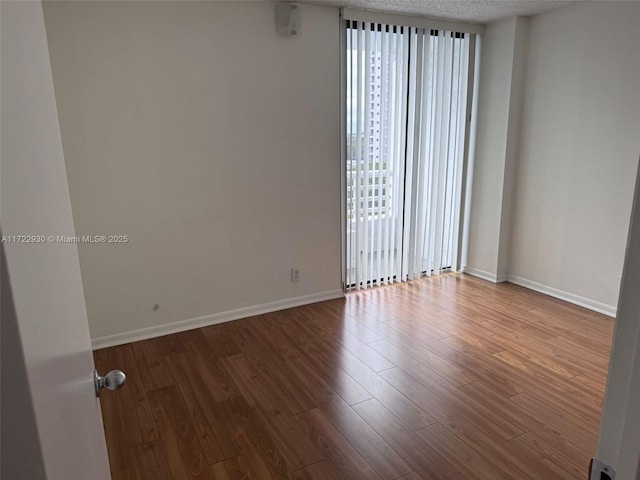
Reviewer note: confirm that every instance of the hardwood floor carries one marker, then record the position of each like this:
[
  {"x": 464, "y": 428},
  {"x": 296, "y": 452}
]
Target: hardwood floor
[{"x": 443, "y": 378}]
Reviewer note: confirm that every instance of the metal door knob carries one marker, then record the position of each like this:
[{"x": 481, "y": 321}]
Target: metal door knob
[{"x": 113, "y": 380}]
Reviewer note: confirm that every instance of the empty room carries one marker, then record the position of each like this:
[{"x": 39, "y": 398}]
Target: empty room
[{"x": 351, "y": 239}]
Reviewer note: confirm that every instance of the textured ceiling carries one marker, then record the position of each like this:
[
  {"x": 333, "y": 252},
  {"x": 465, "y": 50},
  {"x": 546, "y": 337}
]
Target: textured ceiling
[{"x": 481, "y": 11}]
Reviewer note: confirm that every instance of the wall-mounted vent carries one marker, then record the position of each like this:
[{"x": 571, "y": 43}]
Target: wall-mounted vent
[{"x": 288, "y": 19}]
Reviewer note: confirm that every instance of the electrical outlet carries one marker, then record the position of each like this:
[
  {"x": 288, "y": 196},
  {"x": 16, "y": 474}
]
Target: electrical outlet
[
  {"x": 295, "y": 274},
  {"x": 601, "y": 471}
]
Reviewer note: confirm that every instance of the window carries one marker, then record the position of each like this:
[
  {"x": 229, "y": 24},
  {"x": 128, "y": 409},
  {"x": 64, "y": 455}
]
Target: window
[{"x": 406, "y": 96}]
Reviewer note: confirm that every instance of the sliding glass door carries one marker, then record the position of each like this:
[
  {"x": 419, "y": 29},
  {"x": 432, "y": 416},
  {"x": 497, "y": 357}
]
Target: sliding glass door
[{"x": 407, "y": 96}]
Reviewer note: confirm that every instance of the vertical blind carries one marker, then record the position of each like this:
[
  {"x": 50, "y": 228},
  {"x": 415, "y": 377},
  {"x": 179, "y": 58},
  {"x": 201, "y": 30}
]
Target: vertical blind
[{"x": 406, "y": 95}]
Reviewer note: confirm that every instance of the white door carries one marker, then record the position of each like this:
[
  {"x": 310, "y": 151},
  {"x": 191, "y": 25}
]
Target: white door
[
  {"x": 51, "y": 420},
  {"x": 619, "y": 442}
]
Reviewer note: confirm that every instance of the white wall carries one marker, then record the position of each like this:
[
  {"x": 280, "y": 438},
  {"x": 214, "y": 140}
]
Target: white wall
[
  {"x": 496, "y": 116},
  {"x": 579, "y": 150},
  {"x": 556, "y": 151},
  {"x": 212, "y": 142},
  {"x": 514, "y": 130}
]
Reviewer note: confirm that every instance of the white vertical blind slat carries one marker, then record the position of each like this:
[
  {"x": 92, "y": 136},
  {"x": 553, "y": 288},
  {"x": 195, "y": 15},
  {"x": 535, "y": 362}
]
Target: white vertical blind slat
[
  {"x": 449, "y": 144},
  {"x": 391, "y": 83},
  {"x": 462, "y": 122},
  {"x": 398, "y": 155},
  {"x": 443, "y": 141},
  {"x": 349, "y": 124},
  {"x": 380, "y": 126},
  {"x": 427, "y": 161},
  {"x": 401, "y": 151},
  {"x": 383, "y": 238},
  {"x": 413, "y": 180},
  {"x": 430, "y": 155},
  {"x": 438, "y": 93},
  {"x": 360, "y": 79},
  {"x": 421, "y": 167},
  {"x": 408, "y": 164},
  {"x": 451, "y": 164},
  {"x": 367, "y": 161}
]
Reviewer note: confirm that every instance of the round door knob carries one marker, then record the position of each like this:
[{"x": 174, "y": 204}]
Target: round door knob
[{"x": 113, "y": 380}]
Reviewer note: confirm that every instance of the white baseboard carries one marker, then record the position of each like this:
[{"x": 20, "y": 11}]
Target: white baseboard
[
  {"x": 599, "y": 307},
  {"x": 221, "y": 317},
  {"x": 562, "y": 295},
  {"x": 212, "y": 319},
  {"x": 490, "y": 277}
]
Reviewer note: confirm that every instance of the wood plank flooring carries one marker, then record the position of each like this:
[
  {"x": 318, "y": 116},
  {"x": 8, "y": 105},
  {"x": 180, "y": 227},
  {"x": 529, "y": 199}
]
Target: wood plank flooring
[{"x": 443, "y": 378}]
